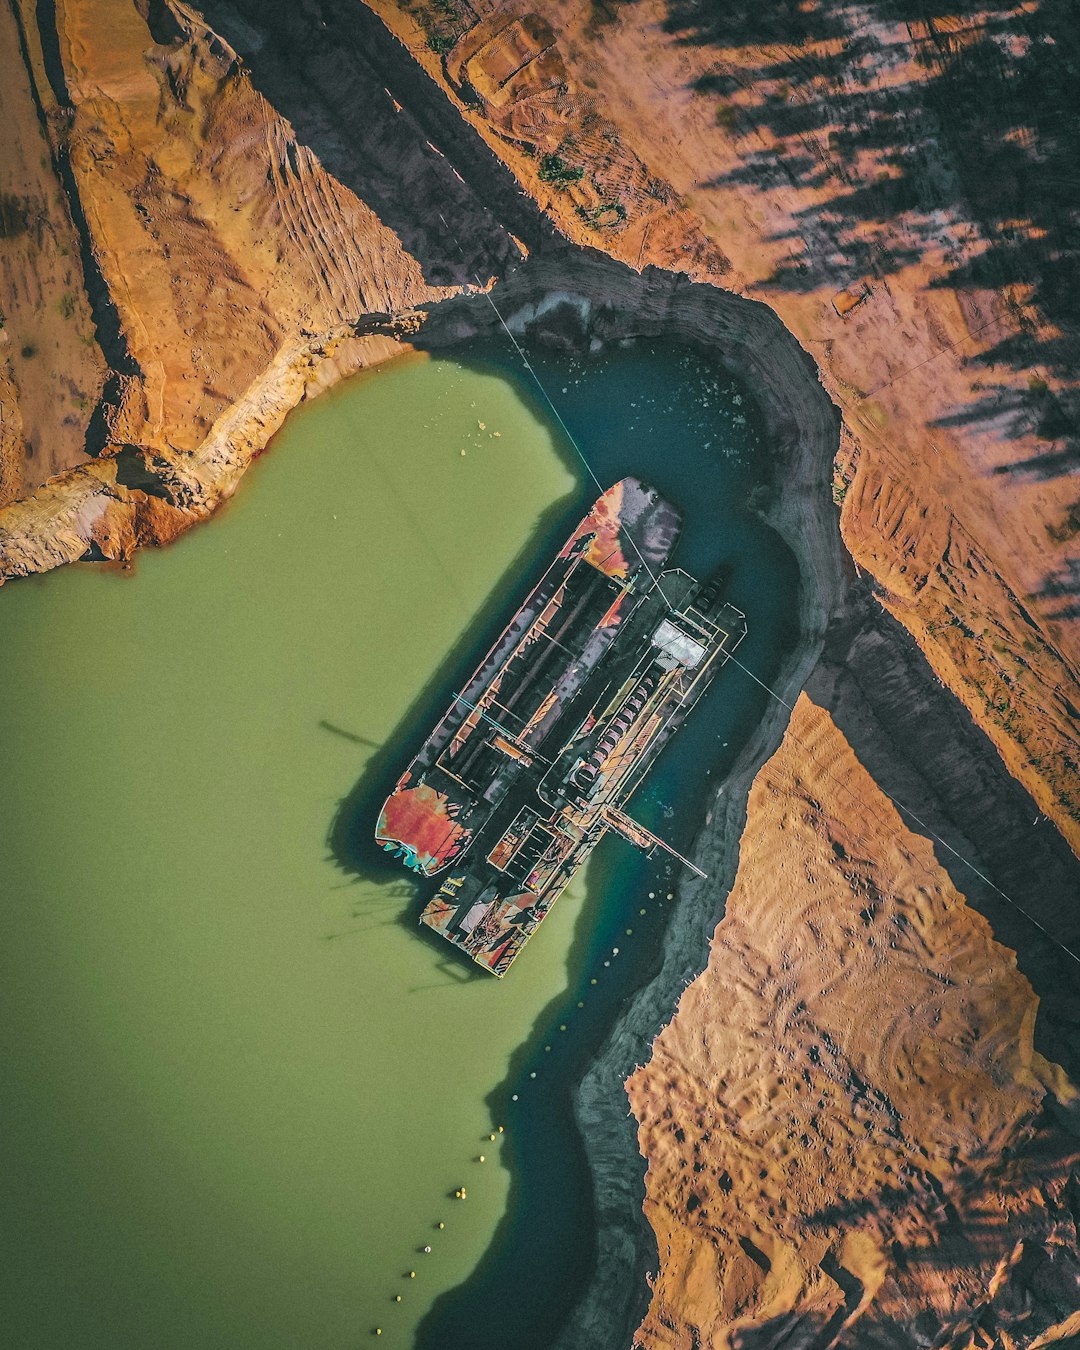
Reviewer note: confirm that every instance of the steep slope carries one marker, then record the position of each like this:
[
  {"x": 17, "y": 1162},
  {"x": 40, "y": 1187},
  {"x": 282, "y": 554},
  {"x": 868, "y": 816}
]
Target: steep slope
[
  {"x": 233, "y": 267},
  {"x": 850, "y": 1137},
  {"x": 51, "y": 368},
  {"x": 807, "y": 155}
]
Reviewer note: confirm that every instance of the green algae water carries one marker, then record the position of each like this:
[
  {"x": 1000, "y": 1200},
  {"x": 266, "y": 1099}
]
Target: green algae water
[{"x": 239, "y": 1086}]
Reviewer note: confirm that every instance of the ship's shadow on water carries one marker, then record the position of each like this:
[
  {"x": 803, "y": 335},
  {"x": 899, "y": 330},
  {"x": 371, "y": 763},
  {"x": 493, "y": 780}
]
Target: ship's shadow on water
[
  {"x": 542, "y": 1149},
  {"x": 351, "y": 837},
  {"x": 547, "y": 1128}
]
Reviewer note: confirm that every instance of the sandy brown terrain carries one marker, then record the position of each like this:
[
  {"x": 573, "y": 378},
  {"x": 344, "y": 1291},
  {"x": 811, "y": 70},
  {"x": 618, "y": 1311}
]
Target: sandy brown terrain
[
  {"x": 51, "y": 368},
  {"x": 856, "y": 1128},
  {"x": 846, "y": 164},
  {"x": 232, "y": 267},
  {"x": 810, "y": 156},
  {"x": 849, "y": 1132}
]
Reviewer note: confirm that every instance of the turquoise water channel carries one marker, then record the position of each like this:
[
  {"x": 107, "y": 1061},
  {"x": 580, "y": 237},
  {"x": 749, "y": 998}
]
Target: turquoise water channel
[{"x": 240, "y": 1087}]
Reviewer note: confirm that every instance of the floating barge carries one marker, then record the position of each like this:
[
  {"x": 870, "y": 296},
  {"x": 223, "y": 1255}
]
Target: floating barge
[{"x": 534, "y": 760}]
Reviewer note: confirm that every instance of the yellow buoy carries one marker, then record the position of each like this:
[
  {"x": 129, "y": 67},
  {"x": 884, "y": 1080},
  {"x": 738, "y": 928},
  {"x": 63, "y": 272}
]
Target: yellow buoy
[
  {"x": 441, "y": 1224},
  {"x": 481, "y": 1158},
  {"x": 412, "y": 1274},
  {"x": 397, "y": 1298},
  {"x": 500, "y": 1129},
  {"x": 491, "y": 1137}
]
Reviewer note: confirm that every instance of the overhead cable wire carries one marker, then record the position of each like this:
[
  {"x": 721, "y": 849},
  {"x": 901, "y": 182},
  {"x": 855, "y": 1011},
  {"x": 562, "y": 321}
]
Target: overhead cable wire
[
  {"x": 547, "y": 397},
  {"x": 907, "y": 810},
  {"x": 900, "y": 806}
]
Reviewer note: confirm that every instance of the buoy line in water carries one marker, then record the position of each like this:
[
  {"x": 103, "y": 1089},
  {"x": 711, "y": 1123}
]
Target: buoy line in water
[
  {"x": 543, "y": 390},
  {"x": 461, "y": 1192},
  {"x": 601, "y": 962}
]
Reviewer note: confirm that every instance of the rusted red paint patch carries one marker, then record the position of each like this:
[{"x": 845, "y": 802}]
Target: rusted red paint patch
[
  {"x": 603, "y": 523},
  {"x": 418, "y": 820}
]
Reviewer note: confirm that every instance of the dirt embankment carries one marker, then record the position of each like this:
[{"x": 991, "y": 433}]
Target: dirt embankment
[
  {"x": 51, "y": 368},
  {"x": 851, "y": 1138},
  {"x": 265, "y": 209},
  {"x": 780, "y": 1205},
  {"x": 807, "y": 156},
  {"x": 233, "y": 265}
]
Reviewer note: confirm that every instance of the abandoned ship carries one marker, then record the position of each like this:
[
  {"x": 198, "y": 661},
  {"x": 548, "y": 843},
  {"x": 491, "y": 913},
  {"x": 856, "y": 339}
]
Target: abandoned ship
[{"x": 534, "y": 760}]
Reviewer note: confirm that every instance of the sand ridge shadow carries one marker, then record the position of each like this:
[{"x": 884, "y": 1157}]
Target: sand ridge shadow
[
  {"x": 325, "y": 67},
  {"x": 884, "y": 697}
]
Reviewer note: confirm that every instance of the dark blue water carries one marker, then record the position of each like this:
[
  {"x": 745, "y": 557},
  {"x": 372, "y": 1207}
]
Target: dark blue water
[{"x": 665, "y": 414}]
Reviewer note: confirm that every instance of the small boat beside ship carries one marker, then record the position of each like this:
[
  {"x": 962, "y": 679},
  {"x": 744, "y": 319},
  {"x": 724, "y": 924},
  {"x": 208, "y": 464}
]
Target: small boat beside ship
[{"x": 535, "y": 759}]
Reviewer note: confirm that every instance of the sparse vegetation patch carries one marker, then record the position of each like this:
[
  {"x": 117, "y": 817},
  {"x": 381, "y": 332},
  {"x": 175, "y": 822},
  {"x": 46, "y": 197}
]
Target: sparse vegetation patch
[
  {"x": 14, "y": 215},
  {"x": 605, "y": 216},
  {"x": 555, "y": 170}
]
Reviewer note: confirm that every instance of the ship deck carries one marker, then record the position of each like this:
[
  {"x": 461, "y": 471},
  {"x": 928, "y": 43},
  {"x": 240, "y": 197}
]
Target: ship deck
[
  {"x": 536, "y": 757},
  {"x": 556, "y": 810}
]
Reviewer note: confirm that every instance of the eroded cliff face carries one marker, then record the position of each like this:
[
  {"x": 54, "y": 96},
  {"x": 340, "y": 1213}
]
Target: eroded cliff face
[
  {"x": 853, "y": 1125},
  {"x": 232, "y": 269},
  {"x": 52, "y": 369}
]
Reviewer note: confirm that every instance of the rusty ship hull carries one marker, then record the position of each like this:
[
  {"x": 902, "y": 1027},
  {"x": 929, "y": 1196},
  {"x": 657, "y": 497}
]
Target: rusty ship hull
[{"x": 535, "y": 759}]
